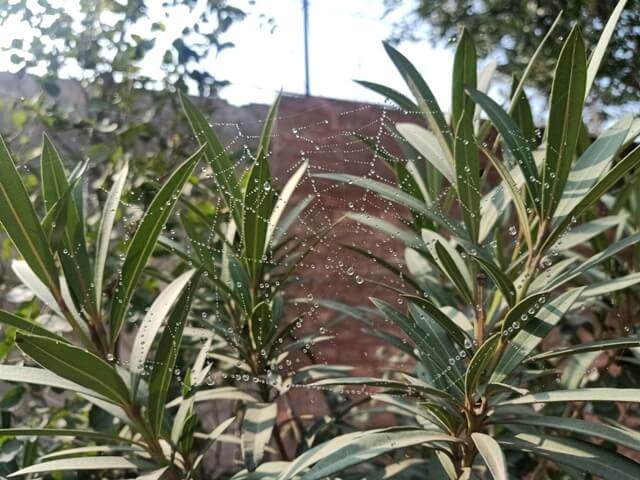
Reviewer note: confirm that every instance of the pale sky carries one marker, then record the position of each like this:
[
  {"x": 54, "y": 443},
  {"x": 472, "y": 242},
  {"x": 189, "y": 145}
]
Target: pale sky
[{"x": 345, "y": 44}]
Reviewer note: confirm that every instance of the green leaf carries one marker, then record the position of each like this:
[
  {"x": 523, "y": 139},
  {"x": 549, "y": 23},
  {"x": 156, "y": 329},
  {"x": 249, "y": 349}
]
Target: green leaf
[
  {"x": 211, "y": 439},
  {"x": 467, "y": 164},
  {"x": 520, "y": 111},
  {"x": 66, "y": 432},
  {"x": 514, "y": 140},
  {"x": 426, "y": 143},
  {"x": 432, "y": 354},
  {"x": 21, "y": 223},
  {"x": 601, "y": 47},
  {"x": 591, "y": 165},
  {"x": 618, "y": 435},
  {"x": 565, "y": 119},
  {"x": 491, "y": 454},
  {"x": 442, "y": 348},
  {"x": 595, "y": 259},
  {"x": 27, "y": 326},
  {"x": 576, "y": 454},
  {"x": 257, "y": 425},
  {"x": 598, "y": 394},
  {"x": 501, "y": 280},
  {"x": 396, "y": 97},
  {"x": 261, "y": 325},
  {"x": 167, "y": 352},
  {"x": 619, "y": 170},
  {"x": 217, "y": 157},
  {"x": 240, "y": 283},
  {"x": 275, "y": 231},
  {"x": 144, "y": 240},
  {"x": 530, "y": 336},
  {"x": 586, "y": 231},
  {"x": 350, "y": 449},
  {"x": 479, "y": 363},
  {"x": 497, "y": 200},
  {"x": 431, "y": 239},
  {"x": 426, "y": 100},
  {"x": 106, "y": 227},
  {"x": 464, "y": 75},
  {"x": 445, "y": 322},
  {"x": 394, "y": 194},
  {"x": 408, "y": 237},
  {"x": 154, "y": 319},
  {"x": 76, "y": 365},
  {"x": 597, "y": 346},
  {"x": 523, "y": 312},
  {"x": 39, "y": 376},
  {"x": 81, "y": 463},
  {"x": 516, "y": 94},
  {"x": 608, "y": 286},
  {"x": 259, "y": 200},
  {"x": 419, "y": 390},
  {"x": 73, "y": 252},
  {"x": 452, "y": 271}
]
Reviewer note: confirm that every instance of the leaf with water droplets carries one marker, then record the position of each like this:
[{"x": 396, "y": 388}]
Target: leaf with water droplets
[{"x": 144, "y": 240}]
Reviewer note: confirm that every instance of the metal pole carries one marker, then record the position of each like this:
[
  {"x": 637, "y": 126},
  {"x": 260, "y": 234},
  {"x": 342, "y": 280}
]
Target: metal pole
[{"x": 305, "y": 14}]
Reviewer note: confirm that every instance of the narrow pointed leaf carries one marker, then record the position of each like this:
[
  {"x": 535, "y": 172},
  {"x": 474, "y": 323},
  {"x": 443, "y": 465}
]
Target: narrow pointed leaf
[
  {"x": 478, "y": 365},
  {"x": 261, "y": 324},
  {"x": 500, "y": 279},
  {"x": 450, "y": 268},
  {"x": 40, "y": 376},
  {"x": 216, "y": 154},
  {"x": 391, "y": 192},
  {"x": 597, "y": 346},
  {"x": 601, "y": 47},
  {"x": 445, "y": 322},
  {"x": 523, "y": 312},
  {"x": 259, "y": 200},
  {"x": 144, "y": 240},
  {"x": 27, "y": 326},
  {"x": 396, "y": 97},
  {"x": 619, "y": 170},
  {"x": 467, "y": 165},
  {"x": 514, "y": 140},
  {"x": 274, "y": 231},
  {"x": 154, "y": 318},
  {"x": 106, "y": 227},
  {"x": 621, "y": 436},
  {"x": 167, "y": 353},
  {"x": 498, "y": 197},
  {"x": 596, "y": 394},
  {"x": 352, "y": 448},
  {"x": 76, "y": 365},
  {"x": 424, "y": 97},
  {"x": 565, "y": 119},
  {"x": 426, "y": 143},
  {"x": 591, "y": 165},
  {"x": 491, "y": 454},
  {"x": 582, "y": 456},
  {"x": 464, "y": 75},
  {"x": 80, "y": 463},
  {"x": 22, "y": 225},
  {"x": 73, "y": 251},
  {"x": 257, "y": 424},
  {"x": 530, "y": 336}
]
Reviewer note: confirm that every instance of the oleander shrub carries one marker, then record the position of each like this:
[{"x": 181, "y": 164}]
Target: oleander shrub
[{"x": 513, "y": 235}]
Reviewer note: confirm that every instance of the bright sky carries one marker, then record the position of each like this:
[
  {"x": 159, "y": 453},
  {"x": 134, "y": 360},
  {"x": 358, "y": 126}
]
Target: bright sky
[{"x": 345, "y": 44}]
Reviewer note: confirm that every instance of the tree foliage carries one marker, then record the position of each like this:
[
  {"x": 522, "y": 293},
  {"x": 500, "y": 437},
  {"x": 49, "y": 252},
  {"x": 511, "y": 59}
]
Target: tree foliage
[{"x": 514, "y": 28}]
